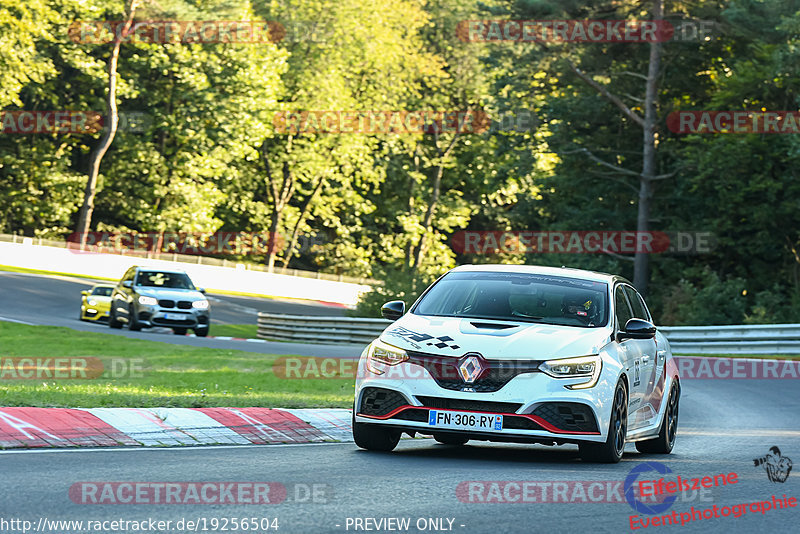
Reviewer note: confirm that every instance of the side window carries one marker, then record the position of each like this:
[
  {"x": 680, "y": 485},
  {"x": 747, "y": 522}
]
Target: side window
[
  {"x": 623, "y": 311},
  {"x": 639, "y": 310}
]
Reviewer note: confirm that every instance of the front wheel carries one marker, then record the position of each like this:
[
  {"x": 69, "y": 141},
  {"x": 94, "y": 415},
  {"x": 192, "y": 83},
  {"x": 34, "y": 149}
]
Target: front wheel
[
  {"x": 611, "y": 450},
  {"x": 113, "y": 322},
  {"x": 665, "y": 441},
  {"x": 374, "y": 438},
  {"x": 133, "y": 323},
  {"x": 201, "y": 332}
]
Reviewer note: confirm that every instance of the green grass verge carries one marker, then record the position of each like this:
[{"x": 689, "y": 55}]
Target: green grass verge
[
  {"x": 247, "y": 331},
  {"x": 170, "y": 375}
]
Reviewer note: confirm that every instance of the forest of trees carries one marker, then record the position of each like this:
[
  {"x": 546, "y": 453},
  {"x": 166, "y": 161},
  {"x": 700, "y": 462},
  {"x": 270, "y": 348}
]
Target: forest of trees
[{"x": 595, "y": 153}]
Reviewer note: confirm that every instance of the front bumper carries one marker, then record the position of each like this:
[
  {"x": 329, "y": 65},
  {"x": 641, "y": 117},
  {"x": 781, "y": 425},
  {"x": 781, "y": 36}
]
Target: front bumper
[
  {"x": 150, "y": 316},
  {"x": 95, "y": 313},
  {"x": 535, "y": 407}
]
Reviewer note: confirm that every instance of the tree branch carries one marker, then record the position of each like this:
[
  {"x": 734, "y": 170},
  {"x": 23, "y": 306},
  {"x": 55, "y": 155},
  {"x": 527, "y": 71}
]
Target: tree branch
[{"x": 628, "y": 112}]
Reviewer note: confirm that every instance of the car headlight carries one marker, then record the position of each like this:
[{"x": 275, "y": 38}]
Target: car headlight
[
  {"x": 92, "y": 302},
  {"x": 148, "y": 301},
  {"x": 588, "y": 367},
  {"x": 380, "y": 352},
  {"x": 200, "y": 304}
]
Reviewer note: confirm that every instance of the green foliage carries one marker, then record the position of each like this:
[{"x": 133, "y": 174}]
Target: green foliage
[{"x": 208, "y": 154}]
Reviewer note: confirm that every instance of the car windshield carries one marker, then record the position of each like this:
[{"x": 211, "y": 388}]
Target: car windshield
[
  {"x": 518, "y": 297},
  {"x": 102, "y": 291},
  {"x": 158, "y": 279}
]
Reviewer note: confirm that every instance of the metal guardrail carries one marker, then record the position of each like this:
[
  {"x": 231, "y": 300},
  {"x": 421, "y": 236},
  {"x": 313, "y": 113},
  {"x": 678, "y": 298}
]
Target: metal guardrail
[{"x": 735, "y": 339}]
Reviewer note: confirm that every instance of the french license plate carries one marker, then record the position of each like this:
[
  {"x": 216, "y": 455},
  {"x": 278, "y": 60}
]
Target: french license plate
[
  {"x": 465, "y": 420},
  {"x": 174, "y": 316}
]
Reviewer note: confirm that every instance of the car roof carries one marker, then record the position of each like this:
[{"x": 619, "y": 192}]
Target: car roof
[
  {"x": 565, "y": 272},
  {"x": 103, "y": 285}
]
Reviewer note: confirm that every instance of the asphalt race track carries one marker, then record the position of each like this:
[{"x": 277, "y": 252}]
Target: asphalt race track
[
  {"x": 724, "y": 425},
  {"x": 55, "y": 300}
]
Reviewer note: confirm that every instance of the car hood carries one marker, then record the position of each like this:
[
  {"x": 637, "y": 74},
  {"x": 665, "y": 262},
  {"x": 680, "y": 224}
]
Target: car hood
[
  {"x": 453, "y": 336},
  {"x": 172, "y": 294}
]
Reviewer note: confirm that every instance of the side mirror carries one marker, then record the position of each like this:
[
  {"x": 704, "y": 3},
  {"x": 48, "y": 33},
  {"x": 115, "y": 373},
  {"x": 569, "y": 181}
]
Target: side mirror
[
  {"x": 85, "y": 292},
  {"x": 393, "y": 310},
  {"x": 127, "y": 283},
  {"x": 637, "y": 329},
  {"x": 202, "y": 290}
]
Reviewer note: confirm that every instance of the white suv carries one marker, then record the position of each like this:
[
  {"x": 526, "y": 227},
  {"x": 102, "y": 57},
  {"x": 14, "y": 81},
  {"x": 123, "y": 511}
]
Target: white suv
[{"x": 521, "y": 354}]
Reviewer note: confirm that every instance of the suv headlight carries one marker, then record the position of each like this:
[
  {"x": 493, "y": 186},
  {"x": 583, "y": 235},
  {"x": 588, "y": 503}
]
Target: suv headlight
[
  {"x": 147, "y": 301},
  {"x": 588, "y": 367},
  {"x": 380, "y": 352},
  {"x": 200, "y": 304}
]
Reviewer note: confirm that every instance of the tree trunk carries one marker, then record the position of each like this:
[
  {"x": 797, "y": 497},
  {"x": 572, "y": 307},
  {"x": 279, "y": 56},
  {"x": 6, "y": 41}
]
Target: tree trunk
[
  {"x": 642, "y": 259},
  {"x": 87, "y": 208},
  {"x": 300, "y": 220}
]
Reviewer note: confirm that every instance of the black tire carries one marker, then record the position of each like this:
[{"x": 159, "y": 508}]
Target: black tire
[
  {"x": 112, "y": 318},
  {"x": 80, "y": 316},
  {"x": 133, "y": 323},
  {"x": 374, "y": 438},
  {"x": 201, "y": 332},
  {"x": 665, "y": 441},
  {"x": 611, "y": 450},
  {"x": 179, "y": 331},
  {"x": 451, "y": 439}
]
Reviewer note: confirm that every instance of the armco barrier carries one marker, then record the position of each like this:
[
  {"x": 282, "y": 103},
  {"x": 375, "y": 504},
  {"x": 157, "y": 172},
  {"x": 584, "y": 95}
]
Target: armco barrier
[
  {"x": 317, "y": 329},
  {"x": 741, "y": 339}
]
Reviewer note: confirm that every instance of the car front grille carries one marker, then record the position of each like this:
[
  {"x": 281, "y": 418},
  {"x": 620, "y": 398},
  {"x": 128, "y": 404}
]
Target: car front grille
[
  {"x": 469, "y": 405},
  {"x": 497, "y": 373},
  {"x": 166, "y": 303},
  {"x": 572, "y": 416},
  {"x": 184, "y": 305}
]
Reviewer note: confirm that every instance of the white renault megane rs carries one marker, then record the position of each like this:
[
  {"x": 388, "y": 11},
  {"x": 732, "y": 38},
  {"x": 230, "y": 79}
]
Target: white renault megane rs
[{"x": 521, "y": 354}]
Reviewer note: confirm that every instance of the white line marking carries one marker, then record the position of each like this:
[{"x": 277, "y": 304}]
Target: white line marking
[{"x": 9, "y": 320}]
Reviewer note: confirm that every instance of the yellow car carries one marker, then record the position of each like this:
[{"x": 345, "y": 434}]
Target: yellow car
[{"x": 96, "y": 303}]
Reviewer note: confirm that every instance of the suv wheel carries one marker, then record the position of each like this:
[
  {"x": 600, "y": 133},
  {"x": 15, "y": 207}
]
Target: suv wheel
[
  {"x": 133, "y": 322},
  {"x": 201, "y": 332},
  {"x": 610, "y": 451},
  {"x": 113, "y": 322}
]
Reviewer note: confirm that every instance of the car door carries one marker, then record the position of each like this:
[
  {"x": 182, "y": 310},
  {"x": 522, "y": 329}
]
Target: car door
[
  {"x": 652, "y": 366},
  {"x": 630, "y": 353}
]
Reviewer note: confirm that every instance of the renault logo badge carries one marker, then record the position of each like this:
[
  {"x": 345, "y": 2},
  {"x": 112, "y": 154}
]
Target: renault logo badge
[{"x": 470, "y": 369}]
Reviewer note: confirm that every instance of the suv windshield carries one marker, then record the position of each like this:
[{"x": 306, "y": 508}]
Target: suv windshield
[
  {"x": 518, "y": 297},
  {"x": 170, "y": 280}
]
